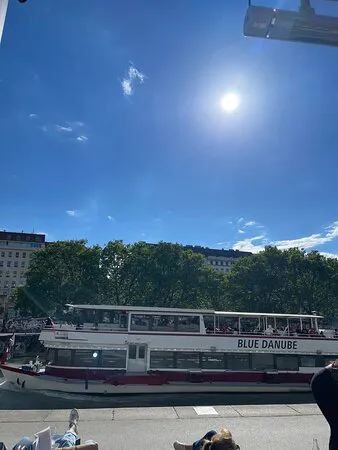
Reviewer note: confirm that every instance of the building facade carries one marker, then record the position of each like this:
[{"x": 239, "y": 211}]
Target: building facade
[
  {"x": 219, "y": 259},
  {"x": 16, "y": 250}
]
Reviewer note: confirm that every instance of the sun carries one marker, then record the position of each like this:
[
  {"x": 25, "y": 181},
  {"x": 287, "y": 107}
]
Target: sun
[{"x": 230, "y": 102}]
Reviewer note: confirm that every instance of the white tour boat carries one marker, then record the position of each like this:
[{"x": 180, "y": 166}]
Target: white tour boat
[{"x": 127, "y": 349}]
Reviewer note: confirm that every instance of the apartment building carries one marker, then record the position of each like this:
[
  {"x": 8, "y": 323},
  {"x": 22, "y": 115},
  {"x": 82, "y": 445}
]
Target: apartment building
[
  {"x": 16, "y": 250},
  {"x": 219, "y": 259}
]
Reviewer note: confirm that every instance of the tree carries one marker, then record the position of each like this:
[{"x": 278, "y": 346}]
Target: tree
[{"x": 64, "y": 272}]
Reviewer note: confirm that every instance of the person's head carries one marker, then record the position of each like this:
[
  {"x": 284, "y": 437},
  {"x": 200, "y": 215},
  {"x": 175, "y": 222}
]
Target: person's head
[{"x": 221, "y": 441}]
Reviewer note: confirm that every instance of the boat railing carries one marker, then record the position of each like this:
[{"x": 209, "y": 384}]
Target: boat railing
[{"x": 328, "y": 334}]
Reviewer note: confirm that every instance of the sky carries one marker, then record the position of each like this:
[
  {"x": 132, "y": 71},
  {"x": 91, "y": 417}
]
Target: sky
[{"x": 112, "y": 126}]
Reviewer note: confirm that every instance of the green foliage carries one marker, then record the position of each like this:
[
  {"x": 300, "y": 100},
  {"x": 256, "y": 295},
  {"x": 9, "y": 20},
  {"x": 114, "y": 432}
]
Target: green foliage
[
  {"x": 288, "y": 281},
  {"x": 169, "y": 275}
]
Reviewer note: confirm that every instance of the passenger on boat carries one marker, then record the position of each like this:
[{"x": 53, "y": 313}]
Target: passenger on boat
[
  {"x": 324, "y": 385},
  {"x": 211, "y": 441}
]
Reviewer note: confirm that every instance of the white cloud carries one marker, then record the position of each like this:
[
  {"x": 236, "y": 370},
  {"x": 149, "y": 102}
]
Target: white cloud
[
  {"x": 330, "y": 255},
  {"x": 248, "y": 245},
  {"x": 33, "y": 116},
  {"x": 82, "y": 138},
  {"x": 241, "y": 231},
  {"x": 306, "y": 242},
  {"x": 74, "y": 213},
  {"x": 134, "y": 75},
  {"x": 240, "y": 220},
  {"x": 61, "y": 128},
  {"x": 77, "y": 123},
  {"x": 110, "y": 218},
  {"x": 251, "y": 223}
]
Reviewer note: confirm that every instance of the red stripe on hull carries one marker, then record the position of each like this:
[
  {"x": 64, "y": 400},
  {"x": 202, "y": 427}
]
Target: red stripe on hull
[{"x": 159, "y": 377}]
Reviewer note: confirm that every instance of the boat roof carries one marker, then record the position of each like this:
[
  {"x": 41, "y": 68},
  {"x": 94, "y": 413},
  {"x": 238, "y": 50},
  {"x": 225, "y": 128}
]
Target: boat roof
[{"x": 145, "y": 309}]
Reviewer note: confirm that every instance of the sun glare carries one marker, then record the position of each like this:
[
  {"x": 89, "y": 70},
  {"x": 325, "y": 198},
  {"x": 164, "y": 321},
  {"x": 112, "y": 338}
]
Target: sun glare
[{"x": 230, "y": 102}]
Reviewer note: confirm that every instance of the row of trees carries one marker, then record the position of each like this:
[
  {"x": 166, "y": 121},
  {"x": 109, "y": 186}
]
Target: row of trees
[{"x": 170, "y": 275}]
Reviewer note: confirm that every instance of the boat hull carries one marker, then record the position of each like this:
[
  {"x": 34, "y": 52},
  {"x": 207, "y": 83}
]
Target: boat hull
[{"x": 19, "y": 380}]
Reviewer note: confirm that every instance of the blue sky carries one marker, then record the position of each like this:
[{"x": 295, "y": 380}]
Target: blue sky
[{"x": 111, "y": 126}]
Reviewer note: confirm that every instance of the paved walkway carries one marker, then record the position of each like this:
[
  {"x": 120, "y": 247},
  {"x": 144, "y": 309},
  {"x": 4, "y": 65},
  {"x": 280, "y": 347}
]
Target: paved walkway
[{"x": 267, "y": 427}]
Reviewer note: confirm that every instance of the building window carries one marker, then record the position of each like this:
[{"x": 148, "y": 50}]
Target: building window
[
  {"x": 1, "y": 263},
  {"x": 16, "y": 264},
  {"x": 7, "y": 274},
  {"x": 9, "y": 263},
  {"x": 2, "y": 254},
  {"x": 24, "y": 254},
  {"x": 22, "y": 264},
  {"x": 17, "y": 254},
  {"x": 9, "y": 254},
  {"x": 14, "y": 273},
  {"x": 6, "y": 284},
  {"x": 13, "y": 284},
  {"x": 0, "y": 273},
  {"x": 161, "y": 360}
]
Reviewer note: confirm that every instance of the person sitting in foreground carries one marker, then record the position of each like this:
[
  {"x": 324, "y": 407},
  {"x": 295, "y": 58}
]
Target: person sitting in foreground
[
  {"x": 44, "y": 441},
  {"x": 211, "y": 441},
  {"x": 324, "y": 386}
]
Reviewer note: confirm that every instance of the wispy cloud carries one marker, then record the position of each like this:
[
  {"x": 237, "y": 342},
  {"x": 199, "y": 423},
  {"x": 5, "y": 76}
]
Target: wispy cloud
[
  {"x": 111, "y": 218},
  {"x": 241, "y": 231},
  {"x": 33, "y": 116},
  {"x": 134, "y": 76},
  {"x": 82, "y": 138},
  {"x": 62, "y": 129},
  {"x": 257, "y": 243},
  {"x": 251, "y": 223},
  {"x": 74, "y": 213}
]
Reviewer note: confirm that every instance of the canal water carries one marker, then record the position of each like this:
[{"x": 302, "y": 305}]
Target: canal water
[{"x": 28, "y": 400}]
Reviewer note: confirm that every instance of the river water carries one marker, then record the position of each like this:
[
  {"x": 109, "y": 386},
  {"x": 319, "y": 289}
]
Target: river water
[{"x": 28, "y": 400}]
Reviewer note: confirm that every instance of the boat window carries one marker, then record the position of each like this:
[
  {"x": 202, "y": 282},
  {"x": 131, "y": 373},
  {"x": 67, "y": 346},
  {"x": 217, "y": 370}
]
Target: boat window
[
  {"x": 140, "y": 323},
  {"x": 132, "y": 351},
  {"x": 86, "y": 358},
  {"x": 188, "y": 324},
  {"x": 188, "y": 360},
  {"x": 263, "y": 361},
  {"x": 238, "y": 361},
  {"x": 250, "y": 325},
  {"x": 64, "y": 357},
  {"x": 213, "y": 361},
  {"x": 308, "y": 361},
  {"x": 287, "y": 362},
  {"x": 163, "y": 323},
  {"x": 90, "y": 316},
  {"x": 50, "y": 356},
  {"x": 209, "y": 323},
  {"x": 114, "y": 359},
  {"x": 141, "y": 352},
  {"x": 161, "y": 360},
  {"x": 329, "y": 359}
]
